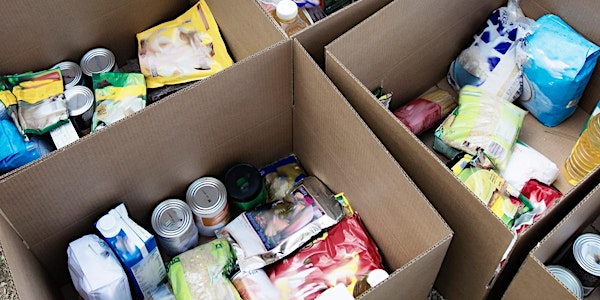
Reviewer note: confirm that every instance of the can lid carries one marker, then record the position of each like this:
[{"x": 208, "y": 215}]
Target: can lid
[
  {"x": 71, "y": 73},
  {"x": 243, "y": 182},
  {"x": 586, "y": 251},
  {"x": 97, "y": 60},
  {"x": 79, "y": 100},
  {"x": 206, "y": 195},
  {"x": 171, "y": 218},
  {"x": 568, "y": 279}
]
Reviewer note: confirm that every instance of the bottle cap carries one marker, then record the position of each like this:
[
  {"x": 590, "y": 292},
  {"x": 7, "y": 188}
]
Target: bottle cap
[
  {"x": 286, "y": 10},
  {"x": 107, "y": 225}
]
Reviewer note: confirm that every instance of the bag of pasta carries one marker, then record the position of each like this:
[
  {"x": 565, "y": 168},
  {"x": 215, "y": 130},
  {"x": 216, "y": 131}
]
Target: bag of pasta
[{"x": 182, "y": 50}]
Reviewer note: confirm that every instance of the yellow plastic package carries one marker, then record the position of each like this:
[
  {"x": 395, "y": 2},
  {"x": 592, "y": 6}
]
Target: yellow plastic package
[{"x": 182, "y": 50}]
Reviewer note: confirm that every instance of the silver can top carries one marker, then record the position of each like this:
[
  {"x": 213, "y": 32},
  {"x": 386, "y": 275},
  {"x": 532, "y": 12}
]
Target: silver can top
[
  {"x": 568, "y": 279},
  {"x": 71, "y": 73},
  {"x": 97, "y": 60},
  {"x": 172, "y": 218},
  {"x": 79, "y": 100},
  {"x": 586, "y": 251},
  {"x": 206, "y": 195}
]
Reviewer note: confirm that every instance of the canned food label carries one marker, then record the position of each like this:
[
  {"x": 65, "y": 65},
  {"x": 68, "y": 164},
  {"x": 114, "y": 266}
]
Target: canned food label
[{"x": 221, "y": 217}]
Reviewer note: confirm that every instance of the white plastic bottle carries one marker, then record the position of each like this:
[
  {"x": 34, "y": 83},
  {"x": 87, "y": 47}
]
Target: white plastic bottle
[{"x": 286, "y": 14}]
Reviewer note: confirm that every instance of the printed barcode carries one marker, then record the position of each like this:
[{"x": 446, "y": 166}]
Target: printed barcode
[{"x": 496, "y": 150}]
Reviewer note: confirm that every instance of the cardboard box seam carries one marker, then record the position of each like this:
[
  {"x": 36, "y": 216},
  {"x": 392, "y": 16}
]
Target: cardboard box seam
[{"x": 273, "y": 21}]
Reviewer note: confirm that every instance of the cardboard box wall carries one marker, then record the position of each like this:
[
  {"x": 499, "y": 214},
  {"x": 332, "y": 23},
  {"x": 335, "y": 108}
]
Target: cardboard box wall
[
  {"x": 534, "y": 281},
  {"x": 257, "y": 112},
  {"x": 417, "y": 40}
]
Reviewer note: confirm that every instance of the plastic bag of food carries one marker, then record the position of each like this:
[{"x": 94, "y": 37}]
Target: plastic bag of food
[
  {"x": 15, "y": 151},
  {"x": 95, "y": 270},
  {"x": 274, "y": 230},
  {"x": 557, "y": 64},
  {"x": 383, "y": 98},
  {"x": 201, "y": 273},
  {"x": 344, "y": 254},
  {"x": 426, "y": 111},
  {"x": 542, "y": 197},
  {"x": 526, "y": 163},
  {"x": 483, "y": 121},
  {"x": 490, "y": 63},
  {"x": 281, "y": 176},
  {"x": 186, "y": 49},
  {"x": 38, "y": 104},
  {"x": 118, "y": 95}
]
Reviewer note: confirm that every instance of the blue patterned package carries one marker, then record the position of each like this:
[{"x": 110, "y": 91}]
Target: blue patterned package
[
  {"x": 490, "y": 62},
  {"x": 557, "y": 65}
]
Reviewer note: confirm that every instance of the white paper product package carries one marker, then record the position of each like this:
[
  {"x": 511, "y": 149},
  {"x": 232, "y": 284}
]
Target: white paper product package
[
  {"x": 136, "y": 249},
  {"x": 526, "y": 163},
  {"x": 95, "y": 270}
]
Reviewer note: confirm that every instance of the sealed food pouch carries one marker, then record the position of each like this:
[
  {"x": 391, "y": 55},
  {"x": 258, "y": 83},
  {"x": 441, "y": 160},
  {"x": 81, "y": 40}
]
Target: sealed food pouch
[
  {"x": 41, "y": 105},
  {"x": 490, "y": 62},
  {"x": 118, "y": 95},
  {"x": 185, "y": 49},
  {"x": 281, "y": 176},
  {"x": 274, "y": 230},
  {"x": 526, "y": 163},
  {"x": 201, "y": 273},
  {"x": 426, "y": 111},
  {"x": 15, "y": 151},
  {"x": 483, "y": 121},
  {"x": 557, "y": 65},
  {"x": 344, "y": 254}
]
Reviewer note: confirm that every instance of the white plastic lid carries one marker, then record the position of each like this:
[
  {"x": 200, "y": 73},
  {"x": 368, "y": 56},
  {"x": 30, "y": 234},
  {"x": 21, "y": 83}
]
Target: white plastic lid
[
  {"x": 286, "y": 10},
  {"x": 377, "y": 276},
  {"x": 107, "y": 225}
]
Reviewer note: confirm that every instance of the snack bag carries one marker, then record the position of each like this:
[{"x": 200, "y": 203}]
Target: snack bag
[
  {"x": 557, "y": 65},
  {"x": 281, "y": 176},
  {"x": 483, "y": 121},
  {"x": 201, "y": 273},
  {"x": 383, "y": 98},
  {"x": 526, "y": 163},
  {"x": 186, "y": 49},
  {"x": 39, "y": 104},
  {"x": 490, "y": 63},
  {"x": 344, "y": 255},
  {"x": 426, "y": 111},
  {"x": 541, "y": 197},
  {"x": 118, "y": 95},
  {"x": 271, "y": 231}
]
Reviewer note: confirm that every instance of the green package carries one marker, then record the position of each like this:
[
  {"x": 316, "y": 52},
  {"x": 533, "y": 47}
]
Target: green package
[
  {"x": 201, "y": 273},
  {"x": 118, "y": 95}
]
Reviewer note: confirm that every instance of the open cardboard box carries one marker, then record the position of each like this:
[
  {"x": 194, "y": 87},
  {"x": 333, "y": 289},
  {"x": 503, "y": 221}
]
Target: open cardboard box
[
  {"x": 315, "y": 37},
  {"x": 256, "y": 111},
  {"x": 534, "y": 281},
  {"x": 408, "y": 46}
]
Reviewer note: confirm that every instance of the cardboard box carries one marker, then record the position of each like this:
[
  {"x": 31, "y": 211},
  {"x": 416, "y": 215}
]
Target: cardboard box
[
  {"x": 315, "y": 37},
  {"x": 534, "y": 281},
  {"x": 256, "y": 111},
  {"x": 408, "y": 46}
]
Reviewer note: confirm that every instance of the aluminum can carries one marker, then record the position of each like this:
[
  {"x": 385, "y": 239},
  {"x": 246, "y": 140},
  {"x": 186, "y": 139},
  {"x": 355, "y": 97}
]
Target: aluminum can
[
  {"x": 173, "y": 222},
  {"x": 255, "y": 285},
  {"x": 98, "y": 60},
  {"x": 207, "y": 197},
  {"x": 80, "y": 104},
  {"x": 568, "y": 279},
  {"x": 584, "y": 261},
  {"x": 71, "y": 73}
]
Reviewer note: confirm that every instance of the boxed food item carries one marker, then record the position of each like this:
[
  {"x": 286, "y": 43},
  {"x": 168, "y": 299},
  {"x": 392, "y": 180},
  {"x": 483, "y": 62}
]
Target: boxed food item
[
  {"x": 422, "y": 39},
  {"x": 211, "y": 125}
]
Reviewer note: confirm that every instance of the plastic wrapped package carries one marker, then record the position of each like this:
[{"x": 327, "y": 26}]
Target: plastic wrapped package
[
  {"x": 483, "y": 121},
  {"x": 426, "y": 111},
  {"x": 526, "y": 163},
  {"x": 118, "y": 95},
  {"x": 542, "y": 197},
  {"x": 201, "y": 273},
  {"x": 281, "y": 176},
  {"x": 271, "y": 231},
  {"x": 342, "y": 255}
]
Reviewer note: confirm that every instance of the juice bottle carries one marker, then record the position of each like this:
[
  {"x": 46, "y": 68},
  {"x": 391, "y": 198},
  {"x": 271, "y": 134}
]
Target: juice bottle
[
  {"x": 585, "y": 155},
  {"x": 287, "y": 16}
]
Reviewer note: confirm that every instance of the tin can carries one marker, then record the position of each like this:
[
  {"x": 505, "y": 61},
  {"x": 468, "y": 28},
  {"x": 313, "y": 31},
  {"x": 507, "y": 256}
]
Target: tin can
[
  {"x": 98, "y": 60},
  {"x": 71, "y": 73},
  {"x": 568, "y": 279},
  {"x": 244, "y": 186},
  {"x": 255, "y": 285},
  {"x": 584, "y": 261},
  {"x": 207, "y": 198},
  {"x": 173, "y": 222},
  {"x": 80, "y": 104}
]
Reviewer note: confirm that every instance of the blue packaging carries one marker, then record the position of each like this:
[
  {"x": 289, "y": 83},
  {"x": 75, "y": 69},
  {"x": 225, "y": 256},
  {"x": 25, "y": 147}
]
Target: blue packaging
[
  {"x": 136, "y": 249},
  {"x": 557, "y": 65},
  {"x": 14, "y": 150}
]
